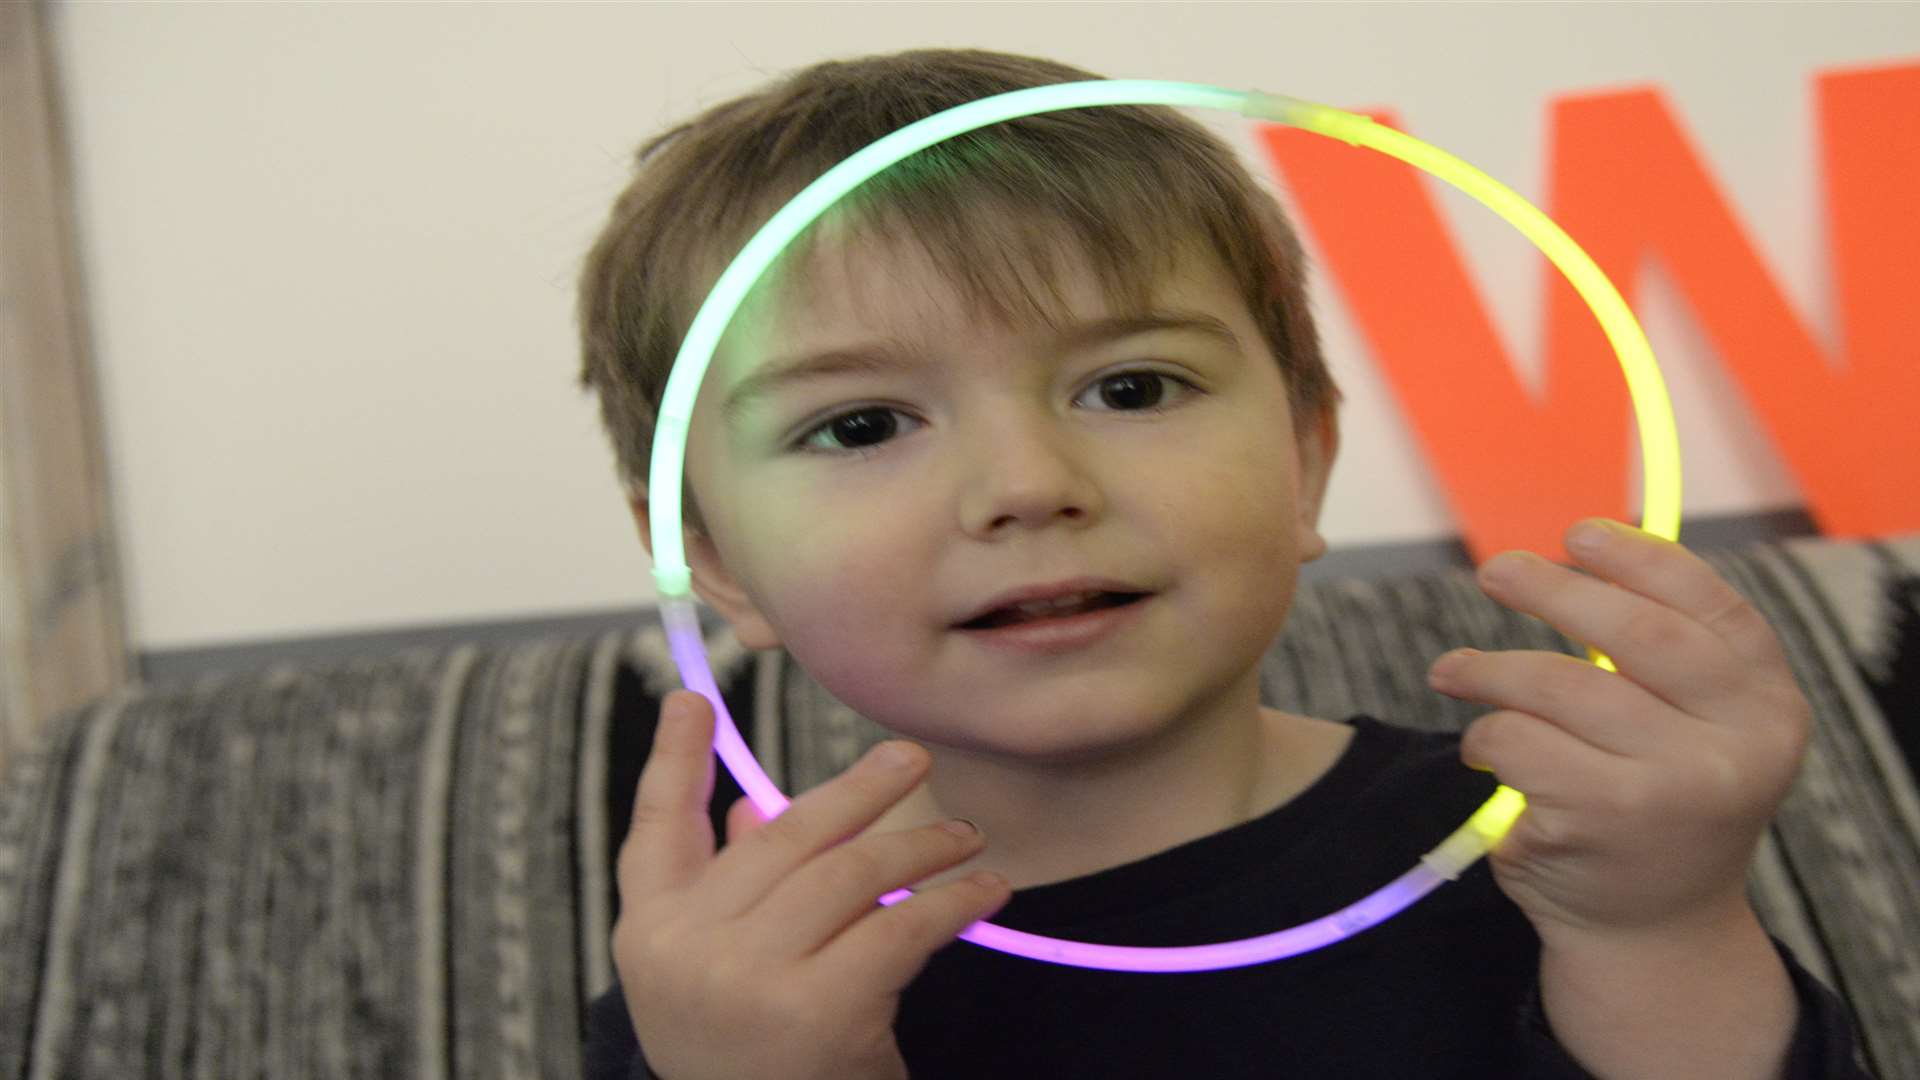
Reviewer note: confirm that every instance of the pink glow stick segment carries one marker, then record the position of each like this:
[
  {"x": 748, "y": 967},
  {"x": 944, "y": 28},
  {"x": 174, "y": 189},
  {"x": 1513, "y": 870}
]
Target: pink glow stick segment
[{"x": 1444, "y": 863}]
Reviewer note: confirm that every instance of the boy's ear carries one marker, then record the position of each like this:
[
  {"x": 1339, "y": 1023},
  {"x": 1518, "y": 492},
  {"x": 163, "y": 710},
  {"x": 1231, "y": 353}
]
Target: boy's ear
[
  {"x": 712, "y": 582},
  {"x": 1319, "y": 444}
]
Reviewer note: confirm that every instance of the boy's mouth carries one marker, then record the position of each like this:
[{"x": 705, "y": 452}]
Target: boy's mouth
[{"x": 1050, "y": 608}]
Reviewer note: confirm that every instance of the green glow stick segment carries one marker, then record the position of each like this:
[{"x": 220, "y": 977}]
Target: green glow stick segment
[
  {"x": 1653, "y": 412},
  {"x": 730, "y": 291}
]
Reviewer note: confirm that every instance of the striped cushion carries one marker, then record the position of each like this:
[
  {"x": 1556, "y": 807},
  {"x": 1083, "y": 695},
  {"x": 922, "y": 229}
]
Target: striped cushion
[{"x": 402, "y": 865}]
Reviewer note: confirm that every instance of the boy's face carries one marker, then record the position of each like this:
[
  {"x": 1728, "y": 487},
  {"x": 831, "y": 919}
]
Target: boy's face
[{"x": 858, "y": 516}]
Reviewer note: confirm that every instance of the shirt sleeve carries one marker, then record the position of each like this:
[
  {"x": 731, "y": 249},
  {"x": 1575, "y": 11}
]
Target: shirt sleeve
[
  {"x": 612, "y": 1049},
  {"x": 1823, "y": 1046}
]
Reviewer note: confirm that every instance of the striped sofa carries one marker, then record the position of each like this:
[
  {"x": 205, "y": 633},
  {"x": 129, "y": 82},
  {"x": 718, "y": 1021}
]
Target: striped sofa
[{"x": 400, "y": 865}]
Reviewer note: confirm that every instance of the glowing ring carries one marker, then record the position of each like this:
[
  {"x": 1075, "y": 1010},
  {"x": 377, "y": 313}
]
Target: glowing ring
[{"x": 1653, "y": 412}]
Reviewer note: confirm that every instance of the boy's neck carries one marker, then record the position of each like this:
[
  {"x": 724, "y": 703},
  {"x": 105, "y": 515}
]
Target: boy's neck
[{"x": 1046, "y": 823}]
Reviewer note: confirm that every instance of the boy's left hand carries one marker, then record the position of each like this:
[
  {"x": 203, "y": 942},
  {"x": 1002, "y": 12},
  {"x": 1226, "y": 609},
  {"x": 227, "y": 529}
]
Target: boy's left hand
[{"x": 1647, "y": 789}]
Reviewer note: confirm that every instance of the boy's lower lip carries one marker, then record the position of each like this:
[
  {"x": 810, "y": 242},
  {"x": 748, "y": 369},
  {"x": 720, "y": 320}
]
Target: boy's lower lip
[{"x": 1060, "y": 634}]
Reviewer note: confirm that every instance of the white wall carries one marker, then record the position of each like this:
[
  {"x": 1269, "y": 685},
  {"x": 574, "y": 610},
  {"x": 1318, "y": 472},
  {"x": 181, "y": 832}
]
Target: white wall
[{"x": 331, "y": 248}]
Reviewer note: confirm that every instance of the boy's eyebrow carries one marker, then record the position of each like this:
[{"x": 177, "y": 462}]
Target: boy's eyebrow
[{"x": 878, "y": 357}]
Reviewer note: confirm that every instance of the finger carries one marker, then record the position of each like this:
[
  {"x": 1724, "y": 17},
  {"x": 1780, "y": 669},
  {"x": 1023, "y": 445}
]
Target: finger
[
  {"x": 1677, "y": 659},
  {"x": 1596, "y": 706},
  {"x": 1662, "y": 570},
  {"x": 742, "y": 818},
  {"x": 815, "y": 821},
  {"x": 670, "y": 837},
  {"x": 829, "y": 893},
  {"x": 891, "y": 945},
  {"x": 1551, "y": 767}
]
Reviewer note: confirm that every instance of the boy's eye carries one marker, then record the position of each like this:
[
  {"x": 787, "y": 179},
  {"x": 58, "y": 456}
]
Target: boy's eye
[
  {"x": 1135, "y": 391},
  {"x": 867, "y": 427},
  {"x": 855, "y": 430}
]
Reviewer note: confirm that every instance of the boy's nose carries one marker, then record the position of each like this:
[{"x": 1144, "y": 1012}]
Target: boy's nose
[{"x": 1026, "y": 473}]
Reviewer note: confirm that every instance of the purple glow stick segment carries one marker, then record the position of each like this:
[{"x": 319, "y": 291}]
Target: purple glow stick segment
[
  {"x": 1442, "y": 864},
  {"x": 690, "y": 656}
]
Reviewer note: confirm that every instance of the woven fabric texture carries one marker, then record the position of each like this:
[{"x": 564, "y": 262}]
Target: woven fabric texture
[{"x": 401, "y": 866}]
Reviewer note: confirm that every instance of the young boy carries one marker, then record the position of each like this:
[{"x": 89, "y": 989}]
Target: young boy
[{"x": 1018, "y": 452}]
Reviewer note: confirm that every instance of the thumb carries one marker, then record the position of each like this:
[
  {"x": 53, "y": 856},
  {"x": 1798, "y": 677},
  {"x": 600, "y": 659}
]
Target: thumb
[
  {"x": 671, "y": 836},
  {"x": 742, "y": 818}
]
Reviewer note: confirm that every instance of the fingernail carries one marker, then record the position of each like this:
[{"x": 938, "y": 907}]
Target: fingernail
[
  {"x": 1440, "y": 674},
  {"x": 895, "y": 754},
  {"x": 1479, "y": 768},
  {"x": 1587, "y": 537},
  {"x": 961, "y": 827},
  {"x": 987, "y": 879},
  {"x": 681, "y": 706},
  {"x": 1502, "y": 567}
]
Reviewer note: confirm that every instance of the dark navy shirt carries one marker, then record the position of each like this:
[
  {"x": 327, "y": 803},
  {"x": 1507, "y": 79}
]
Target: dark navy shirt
[{"x": 1448, "y": 988}]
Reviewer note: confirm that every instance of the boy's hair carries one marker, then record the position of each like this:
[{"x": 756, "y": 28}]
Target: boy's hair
[{"x": 1130, "y": 188}]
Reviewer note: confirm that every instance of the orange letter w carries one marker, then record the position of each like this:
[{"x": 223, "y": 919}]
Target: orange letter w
[{"x": 1626, "y": 183}]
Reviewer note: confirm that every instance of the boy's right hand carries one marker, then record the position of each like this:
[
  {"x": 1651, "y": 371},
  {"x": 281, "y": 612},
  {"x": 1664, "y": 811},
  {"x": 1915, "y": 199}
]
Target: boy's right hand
[{"x": 772, "y": 959}]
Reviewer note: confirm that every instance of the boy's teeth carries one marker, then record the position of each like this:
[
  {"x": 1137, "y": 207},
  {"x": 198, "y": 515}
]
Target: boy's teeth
[
  {"x": 1036, "y": 609},
  {"x": 1053, "y": 608},
  {"x": 1042, "y": 609}
]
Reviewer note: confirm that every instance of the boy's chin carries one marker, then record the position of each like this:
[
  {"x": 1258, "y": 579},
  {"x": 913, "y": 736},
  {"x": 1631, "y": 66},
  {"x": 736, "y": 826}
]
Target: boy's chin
[{"x": 1065, "y": 743}]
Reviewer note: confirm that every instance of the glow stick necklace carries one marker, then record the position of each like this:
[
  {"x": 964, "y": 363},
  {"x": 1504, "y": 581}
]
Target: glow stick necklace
[{"x": 1653, "y": 413}]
